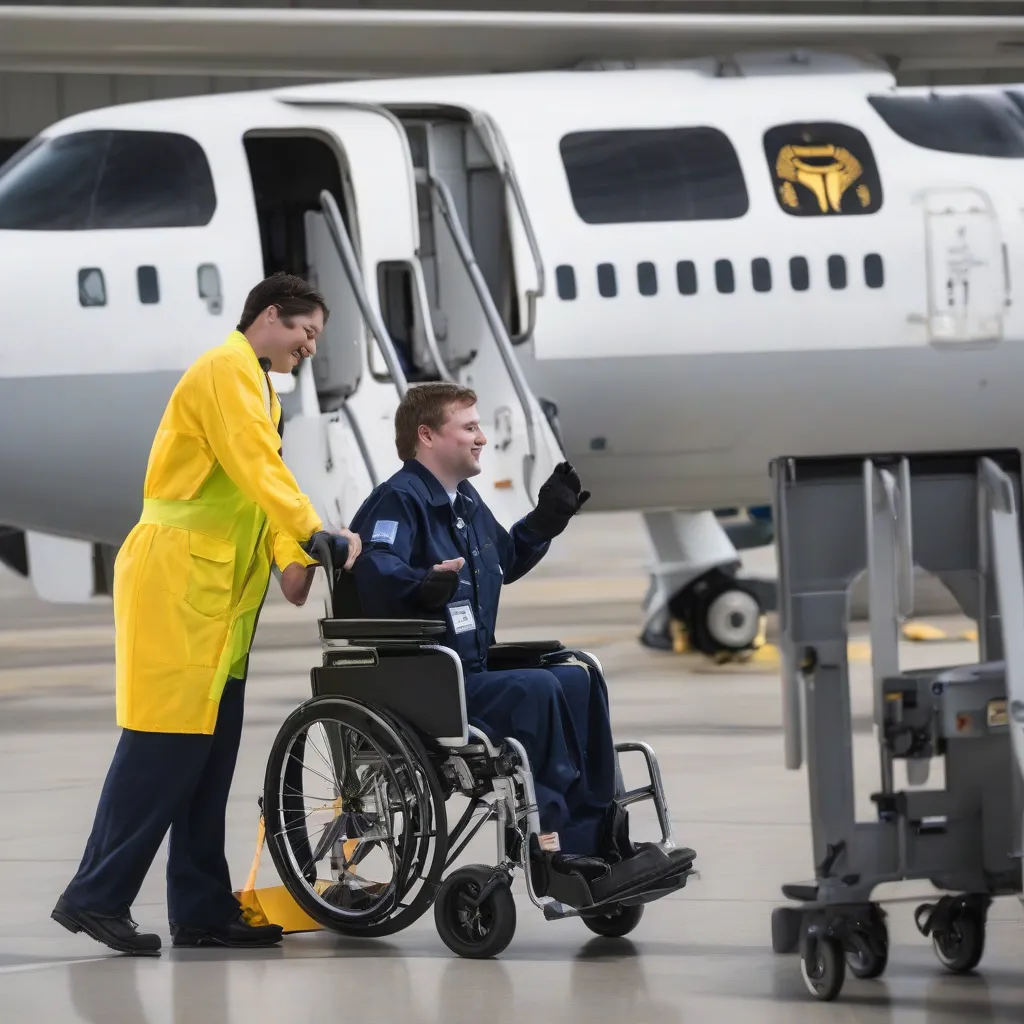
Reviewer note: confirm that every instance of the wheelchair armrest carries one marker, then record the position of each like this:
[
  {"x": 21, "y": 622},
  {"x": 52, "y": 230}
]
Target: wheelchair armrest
[
  {"x": 527, "y": 654},
  {"x": 380, "y": 629}
]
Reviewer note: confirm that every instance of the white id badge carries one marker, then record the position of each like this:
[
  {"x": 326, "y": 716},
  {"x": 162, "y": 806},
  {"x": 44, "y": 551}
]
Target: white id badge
[{"x": 462, "y": 617}]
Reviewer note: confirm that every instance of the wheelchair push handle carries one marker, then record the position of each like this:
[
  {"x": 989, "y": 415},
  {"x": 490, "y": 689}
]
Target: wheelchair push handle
[{"x": 324, "y": 547}]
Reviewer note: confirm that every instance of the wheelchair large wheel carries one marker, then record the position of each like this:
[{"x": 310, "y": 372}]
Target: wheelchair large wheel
[{"x": 355, "y": 817}]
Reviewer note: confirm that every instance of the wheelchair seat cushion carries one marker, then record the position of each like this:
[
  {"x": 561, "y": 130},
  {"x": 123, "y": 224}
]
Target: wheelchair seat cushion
[{"x": 381, "y": 629}]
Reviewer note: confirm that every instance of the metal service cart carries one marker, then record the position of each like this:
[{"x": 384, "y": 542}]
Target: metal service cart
[{"x": 956, "y": 516}]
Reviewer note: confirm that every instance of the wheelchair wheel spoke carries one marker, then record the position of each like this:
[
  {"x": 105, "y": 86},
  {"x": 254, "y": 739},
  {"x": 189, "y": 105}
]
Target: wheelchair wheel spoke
[
  {"x": 331, "y": 767},
  {"x": 330, "y": 782}
]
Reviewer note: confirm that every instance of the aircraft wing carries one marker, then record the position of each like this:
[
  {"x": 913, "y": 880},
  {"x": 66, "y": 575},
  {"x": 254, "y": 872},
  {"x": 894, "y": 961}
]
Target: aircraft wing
[{"x": 318, "y": 43}]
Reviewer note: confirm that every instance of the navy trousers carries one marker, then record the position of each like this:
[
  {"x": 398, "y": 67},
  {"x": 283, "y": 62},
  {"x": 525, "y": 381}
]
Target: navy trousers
[
  {"x": 159, "y": 781},
  {"x": 561, "y": 716}
]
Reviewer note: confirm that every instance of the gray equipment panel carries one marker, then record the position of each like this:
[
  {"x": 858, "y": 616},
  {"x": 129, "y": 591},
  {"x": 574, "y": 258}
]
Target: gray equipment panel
[{"x": 954, "y": 515}]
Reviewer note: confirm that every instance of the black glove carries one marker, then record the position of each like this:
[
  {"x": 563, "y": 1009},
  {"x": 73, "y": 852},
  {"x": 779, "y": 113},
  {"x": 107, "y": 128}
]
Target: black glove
[
  {"x": 324, "y": 545},
  {"x": 438, "y": 588},
  {"x": 560, "y": 498}
]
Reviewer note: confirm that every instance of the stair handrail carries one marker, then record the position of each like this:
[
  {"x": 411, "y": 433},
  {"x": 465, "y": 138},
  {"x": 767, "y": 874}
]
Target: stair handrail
[
  {"x": 350, "y": 262},
  {"x": 503, "y": 162},
  {"x": 446, "y": 203}
]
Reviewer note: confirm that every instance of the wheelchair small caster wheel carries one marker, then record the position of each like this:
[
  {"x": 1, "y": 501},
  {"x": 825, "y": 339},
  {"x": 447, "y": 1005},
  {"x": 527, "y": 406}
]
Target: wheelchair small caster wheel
[
  {"x": 867, "y": 955},
  {"x": 468, "y": 926},
  {"x": 614, "y": 922},
  {"x": 824, "y": 970},
  {"x": 960, "y": 947}
]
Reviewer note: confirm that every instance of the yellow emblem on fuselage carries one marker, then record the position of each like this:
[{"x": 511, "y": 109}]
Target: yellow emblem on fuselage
[{"x": 827, "y": 182}]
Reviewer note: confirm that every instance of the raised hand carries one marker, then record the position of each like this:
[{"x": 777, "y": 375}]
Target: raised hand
[{"x": 561, "y": 496}]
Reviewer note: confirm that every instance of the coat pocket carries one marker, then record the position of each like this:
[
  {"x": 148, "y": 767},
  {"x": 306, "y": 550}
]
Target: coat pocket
[{"x": 211, "y": 574}]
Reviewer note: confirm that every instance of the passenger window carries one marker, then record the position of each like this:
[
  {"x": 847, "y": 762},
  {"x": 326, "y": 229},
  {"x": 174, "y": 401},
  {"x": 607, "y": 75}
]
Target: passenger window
[
  {"x": 565, "y": 280},
  {"x": 649, "y": 175},
  {"x": 686, "y": 277},
  {"x": 874, "y": 273},
  {"x": 92, "y": 289},
  {"x": 647, "y": 279},
  {"x": 979, "y": 125},
  {"x": 725, "y": 280},
  {"x": 837, "y": 272},
  {"x": 208, "y": 280},
  {"x": 606, "y": 284},
  {"x": 761, "y": 274},
  {"x": 799, "y": 274},
  {"x": 822, "y": 169},
  {"x": 149, "y": 285},
  {"x": 107, "y": 179}
]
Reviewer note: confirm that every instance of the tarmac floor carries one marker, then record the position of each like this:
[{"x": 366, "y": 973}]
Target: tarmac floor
[{"x": 700, "y": 955}]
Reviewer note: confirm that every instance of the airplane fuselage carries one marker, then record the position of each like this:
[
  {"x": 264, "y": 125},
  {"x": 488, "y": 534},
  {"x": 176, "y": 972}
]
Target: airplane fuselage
[{"x": 762, "y": 267}]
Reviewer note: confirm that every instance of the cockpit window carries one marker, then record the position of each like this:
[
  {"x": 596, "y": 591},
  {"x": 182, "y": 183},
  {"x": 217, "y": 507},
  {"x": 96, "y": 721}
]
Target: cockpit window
[
  {"x": 978, "y": 125},
  {"x": 107, "y": 179},
  {"x": 822, "y": 169},
  {"x": 649, "y": 175}
]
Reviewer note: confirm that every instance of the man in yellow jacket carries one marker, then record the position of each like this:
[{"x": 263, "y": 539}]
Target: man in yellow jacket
[{"x": 220, "y": 506}]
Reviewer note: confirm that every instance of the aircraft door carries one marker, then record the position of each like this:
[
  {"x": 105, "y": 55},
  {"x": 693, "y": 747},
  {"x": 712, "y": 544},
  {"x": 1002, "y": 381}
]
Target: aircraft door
[
  {"x": 329, "y": 184},
  {"x": 968, "y": 289}
]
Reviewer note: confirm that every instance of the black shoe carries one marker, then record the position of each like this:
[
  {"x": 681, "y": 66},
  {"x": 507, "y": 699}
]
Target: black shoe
[
  {"x": 119, "y": 933},
  {"x": 236, "y": 933},
  {"x": 615, "y": 844},
  {"x": 681, "y": 855},
  {"x": 566, "y": 877},
  {"x": 590, "y": 869}
]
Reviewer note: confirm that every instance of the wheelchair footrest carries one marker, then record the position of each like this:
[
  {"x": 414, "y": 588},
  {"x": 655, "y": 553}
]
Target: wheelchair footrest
[
  {"x": 645, "y": 874},
  {"x": 641, "y": 872},
  {"x": 664, "y": 887}
]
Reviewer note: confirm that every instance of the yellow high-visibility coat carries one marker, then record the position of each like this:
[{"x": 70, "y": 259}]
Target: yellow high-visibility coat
[{"x": 190, "y": 579}]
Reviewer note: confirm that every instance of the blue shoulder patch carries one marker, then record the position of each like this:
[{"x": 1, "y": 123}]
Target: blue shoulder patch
[{"x": 385, "y": 530}]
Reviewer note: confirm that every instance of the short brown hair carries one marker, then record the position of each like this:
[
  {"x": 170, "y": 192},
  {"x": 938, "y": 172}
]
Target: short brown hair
[
  {"x": 426, "y": 404},
  {"x": 291, "y": 295}
]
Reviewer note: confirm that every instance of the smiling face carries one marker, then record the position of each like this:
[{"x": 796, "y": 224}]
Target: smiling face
[
  {"x": 452, "y": 452},
  {"x": 287, "y": 340}
]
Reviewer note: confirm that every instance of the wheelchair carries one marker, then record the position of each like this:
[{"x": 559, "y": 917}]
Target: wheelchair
[{"x": 359, "y": 778}]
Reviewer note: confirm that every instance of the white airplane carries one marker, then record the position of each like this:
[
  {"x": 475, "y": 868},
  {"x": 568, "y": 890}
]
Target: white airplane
[{"x": 666, "y": 275}]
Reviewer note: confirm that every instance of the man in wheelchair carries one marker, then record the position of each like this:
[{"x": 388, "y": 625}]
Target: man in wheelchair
[{"x": 432, "y": 548}]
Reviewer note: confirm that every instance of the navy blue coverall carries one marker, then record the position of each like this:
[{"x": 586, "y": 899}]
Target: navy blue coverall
[{"x": 560, "y": 714}]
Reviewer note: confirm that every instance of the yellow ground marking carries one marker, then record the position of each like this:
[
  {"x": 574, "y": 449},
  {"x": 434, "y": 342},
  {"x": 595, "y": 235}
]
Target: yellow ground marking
[{"x": 925, "y": 632}]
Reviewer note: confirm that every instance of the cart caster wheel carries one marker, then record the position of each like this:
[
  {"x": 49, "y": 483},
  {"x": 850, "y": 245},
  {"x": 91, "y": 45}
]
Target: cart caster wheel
[
  {"x": 961, "y": 948},
  {"x": 825, "y": 974},
  {"x": 474, "y": 932},
  {"x": 615, "y": 922},
  {"x": 867, "y": 956}
]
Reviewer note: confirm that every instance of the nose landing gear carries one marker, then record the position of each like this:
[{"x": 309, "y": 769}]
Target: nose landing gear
[
  {"x": 696, "y": 602},
  {"x": 721, "y": 617},
  {"x": 717, "y": 616}
]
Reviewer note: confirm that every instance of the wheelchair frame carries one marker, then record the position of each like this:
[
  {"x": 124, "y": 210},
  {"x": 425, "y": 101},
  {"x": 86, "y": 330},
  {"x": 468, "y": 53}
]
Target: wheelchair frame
[{"x": 394, "y": 673}]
